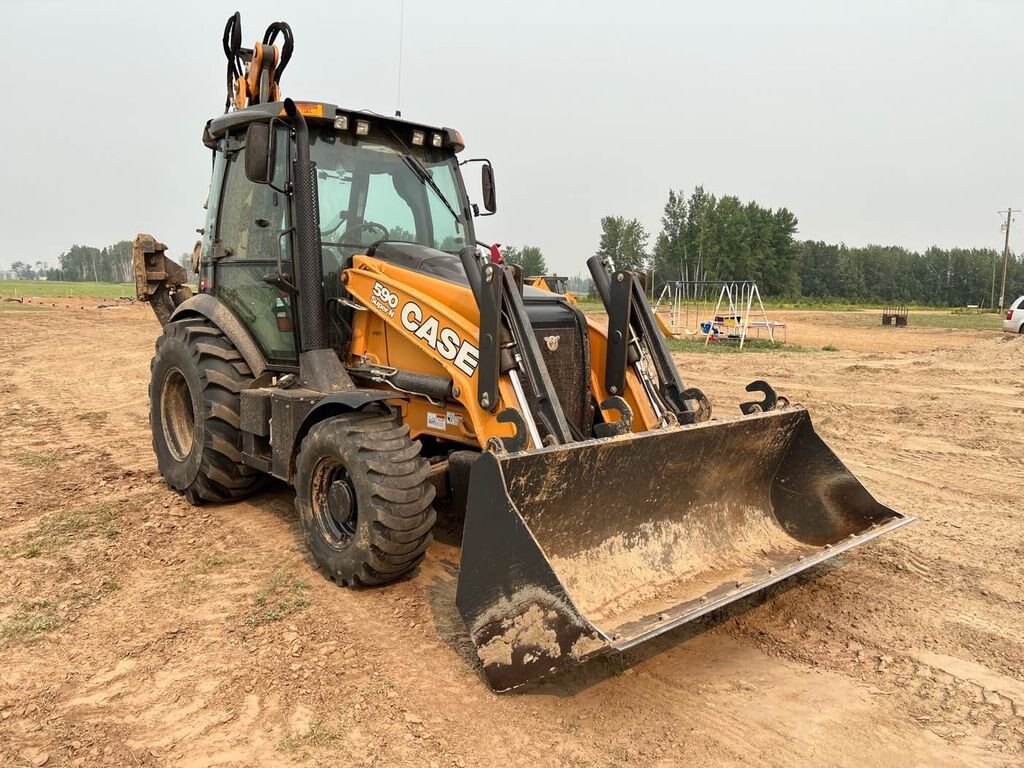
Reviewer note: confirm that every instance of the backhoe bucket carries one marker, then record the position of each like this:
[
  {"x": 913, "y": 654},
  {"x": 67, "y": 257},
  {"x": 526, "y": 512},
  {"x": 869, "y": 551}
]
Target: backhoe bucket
[{"x": 581, "y": 549}]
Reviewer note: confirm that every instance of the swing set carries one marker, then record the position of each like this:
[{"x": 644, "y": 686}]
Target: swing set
[{"x": 718, "y": 310}]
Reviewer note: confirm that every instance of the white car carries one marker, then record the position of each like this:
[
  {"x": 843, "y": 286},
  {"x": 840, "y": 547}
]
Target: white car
[{"x": 1014, "y": 322}]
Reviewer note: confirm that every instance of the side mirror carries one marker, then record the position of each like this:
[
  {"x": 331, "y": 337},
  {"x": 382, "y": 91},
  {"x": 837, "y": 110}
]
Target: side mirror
[
  {"x": 487, "y": 183},
  {"x": 259, "y": 153}
]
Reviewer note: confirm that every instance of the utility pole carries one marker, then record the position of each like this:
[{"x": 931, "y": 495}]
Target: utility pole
[
  {"x": 1006, "y": 255},
  {"x": 992, "y": 299}
]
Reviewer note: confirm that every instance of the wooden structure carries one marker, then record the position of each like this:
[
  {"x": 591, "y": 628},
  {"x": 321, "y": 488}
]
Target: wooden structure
[{"x": 895, "y": 315}]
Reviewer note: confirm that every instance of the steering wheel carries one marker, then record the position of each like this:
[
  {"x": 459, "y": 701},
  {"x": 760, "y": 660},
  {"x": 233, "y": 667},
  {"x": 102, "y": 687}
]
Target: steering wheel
[
  {"x": 366, "y": 225},
  {"x": 342, "y": 217}
]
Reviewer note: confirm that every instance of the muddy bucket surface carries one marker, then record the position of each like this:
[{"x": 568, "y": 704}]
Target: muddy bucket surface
[{"x": 575, "y": 550}]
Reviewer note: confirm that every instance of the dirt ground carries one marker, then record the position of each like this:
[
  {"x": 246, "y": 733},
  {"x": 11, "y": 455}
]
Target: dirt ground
[{"x": 138, "y": 631}]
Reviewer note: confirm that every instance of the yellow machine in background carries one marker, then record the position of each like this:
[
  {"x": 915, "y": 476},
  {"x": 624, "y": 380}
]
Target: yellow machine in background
[{"x": 552, "y": 284}]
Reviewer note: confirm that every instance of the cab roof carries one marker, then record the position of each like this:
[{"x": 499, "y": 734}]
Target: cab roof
[{"x": 319, "y": 112}]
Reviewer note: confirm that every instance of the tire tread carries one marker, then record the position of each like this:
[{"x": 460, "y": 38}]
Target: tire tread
[
  {"x": 224, "y": 374},
  {"x": 393, "y": 491}
]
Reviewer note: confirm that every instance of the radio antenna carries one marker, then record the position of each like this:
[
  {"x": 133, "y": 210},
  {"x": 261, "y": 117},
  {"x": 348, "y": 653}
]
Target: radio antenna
[{"x": 401, "y": 34}]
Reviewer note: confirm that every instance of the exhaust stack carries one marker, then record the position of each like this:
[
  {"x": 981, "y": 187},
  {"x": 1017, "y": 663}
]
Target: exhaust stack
[{"x": 319, "y": 366}]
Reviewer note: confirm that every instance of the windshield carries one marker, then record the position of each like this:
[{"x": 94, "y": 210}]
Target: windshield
[{"x": 371, "y": 191}]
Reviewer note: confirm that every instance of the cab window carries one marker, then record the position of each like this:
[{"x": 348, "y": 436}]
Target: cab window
[
  {"x": 384, "y": 206},
  {"x": 250, "y": 222},
  {"x": 251, "y": 215}
]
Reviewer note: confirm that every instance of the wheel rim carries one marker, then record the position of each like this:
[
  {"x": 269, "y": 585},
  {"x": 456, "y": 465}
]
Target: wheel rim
[
  {"x": 334, "y": 503},
  {"x": 177, "y": 415}
]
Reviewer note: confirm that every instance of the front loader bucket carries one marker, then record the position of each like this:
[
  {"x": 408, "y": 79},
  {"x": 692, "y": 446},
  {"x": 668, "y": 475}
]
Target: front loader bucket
[{"x": 576, "y": 550}]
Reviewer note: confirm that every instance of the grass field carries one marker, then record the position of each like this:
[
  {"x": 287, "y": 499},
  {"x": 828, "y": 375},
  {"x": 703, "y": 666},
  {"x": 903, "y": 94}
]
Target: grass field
[
  {"x": 60, "y": 288},
  {"x": 846, "y": 306},
  {"x": 980, "y": 322},
  {"x": 927, "y": 318},
  {"x": 727, "y": 347}
]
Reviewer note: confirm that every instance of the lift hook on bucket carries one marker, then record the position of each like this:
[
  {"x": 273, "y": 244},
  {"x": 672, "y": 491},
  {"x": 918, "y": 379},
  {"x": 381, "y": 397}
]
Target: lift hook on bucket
[{"x": 771, "y": 399}]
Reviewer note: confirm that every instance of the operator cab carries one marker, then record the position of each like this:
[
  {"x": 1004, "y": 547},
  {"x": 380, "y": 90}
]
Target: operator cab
[
  {"x": 381, "y": 182},
  {"x": 554, "y": 283}
]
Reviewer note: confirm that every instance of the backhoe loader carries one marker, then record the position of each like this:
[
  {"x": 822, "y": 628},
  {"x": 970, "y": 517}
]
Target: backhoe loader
[
  {"x": 553, "y": 284},
  {"x": 352, "y": 337}
]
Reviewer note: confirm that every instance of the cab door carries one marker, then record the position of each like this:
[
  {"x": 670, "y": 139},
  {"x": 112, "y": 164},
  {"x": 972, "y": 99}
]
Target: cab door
[{"x": 248, "y": 237}]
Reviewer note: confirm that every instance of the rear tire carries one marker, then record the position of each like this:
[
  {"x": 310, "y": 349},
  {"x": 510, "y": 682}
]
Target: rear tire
[
  {"x": 197, "y": 377},
  {"x": 364, "y": 497}
]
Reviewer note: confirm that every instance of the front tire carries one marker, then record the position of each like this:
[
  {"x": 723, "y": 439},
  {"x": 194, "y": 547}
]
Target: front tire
[
  {"x": 364, "y": 497},
  {"x": 196, "y": 381}
]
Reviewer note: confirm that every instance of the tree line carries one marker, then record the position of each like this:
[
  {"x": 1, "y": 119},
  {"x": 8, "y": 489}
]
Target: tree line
[
  {"x": 953, "y": 277},
  {"x": 113, "y": 264},
  {"x": 82, "y": 263},
  {"x": 529, "y": 257},
  {"x": 704, "y": 237}
]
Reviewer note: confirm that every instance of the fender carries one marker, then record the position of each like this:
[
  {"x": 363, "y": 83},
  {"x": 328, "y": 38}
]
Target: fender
[
  {"x": 334, "y": 405},
  {"x": 214, "y": 310}
]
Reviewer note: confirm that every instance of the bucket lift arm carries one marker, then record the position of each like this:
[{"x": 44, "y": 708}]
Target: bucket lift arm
[{"x": 634, "y": 339}]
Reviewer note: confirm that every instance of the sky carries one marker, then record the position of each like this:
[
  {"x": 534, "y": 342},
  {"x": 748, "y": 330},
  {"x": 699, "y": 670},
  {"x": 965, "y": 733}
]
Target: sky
[{"x": 895, "y": 122}]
